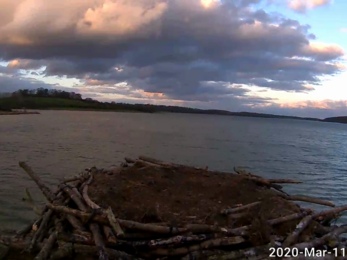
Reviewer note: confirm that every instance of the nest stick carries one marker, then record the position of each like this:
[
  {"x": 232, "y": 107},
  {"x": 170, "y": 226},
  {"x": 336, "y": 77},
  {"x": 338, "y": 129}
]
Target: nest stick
[
  {"x": 87, "y": 200},
  {"x": 42, "y": 228},
  {"x": 47, "y": 248},
  {"x": 76, "y": 198},
  {"x": 45, "y": 190},
  {"x": 94, "y": 228},
  {"x": 238, "y": 209},
  {"x": 109, "y": 234},
  {"x": 311, "y": 200},
  {"x": 204, "y": 245},
  {"x": 330, "y": 212},
  {"x": 102, "y": 219},
  {"x": 284, "y": 181},
  {"x": 114, "y": 223},
  {"x": 293, "y": 237}
]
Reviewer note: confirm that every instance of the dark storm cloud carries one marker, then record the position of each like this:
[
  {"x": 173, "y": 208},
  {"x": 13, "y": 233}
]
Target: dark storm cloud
[{"x": 176, "y": 47}]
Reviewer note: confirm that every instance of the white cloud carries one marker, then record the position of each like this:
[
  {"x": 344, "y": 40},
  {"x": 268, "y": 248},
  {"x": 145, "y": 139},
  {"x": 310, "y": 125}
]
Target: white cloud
[{"x": 302, "y": 6}]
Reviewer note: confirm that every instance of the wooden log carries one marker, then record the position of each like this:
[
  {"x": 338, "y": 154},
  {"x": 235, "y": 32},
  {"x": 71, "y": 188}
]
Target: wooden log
[
  {"x": 114, "y": 223},
  {"x": 154, "y": 161},
  {"x": 311, "y": 200},
  {"x": 75, "y": 223},
  {"x": 87, "y": 200},
  {"x": 79, "y": 195},
  {"x": 177, "y": 240},
  {"x": 242, "y": 231},
  {"x": 315, "y": 243},
  {"x": 307, "y": 199},
  {"x": 47, "y": 248},
  {"x": 238, "y": 209},
  {"x": 43, "y": 228},
  {"x": 102, "y": 219},
  {"x": 45, "y": 190},
  {"x": 94, "y": 228},
  {"x": 201, "y": 228},
  {"x": 243, "y": 172},
  {"x": 86, "y": 239},
  {"x": 204, "y": 245},
  {"x": 143, "y": 236},
  {"x": 67, "y": 250},
  {"x": 71, "y": 179},
  {"x": 262, "y": 181},
  {"x": 129, "y": 160},
  {"x": 89, "y": 180},
  {"x": 19, "y": 244},
  {"x": 330, "y": 212},
  {"x": 287, "y": 218},
  {"x": 284, "y": 181},
  {"x": 293, "y": 237},
  {"x": 76, "y": 198},
  {"x": 109, "y": 234}
]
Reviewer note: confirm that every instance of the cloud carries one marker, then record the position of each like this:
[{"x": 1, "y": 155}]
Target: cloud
[
  {"x": 190, "y": 51},
  {"x": 9, "y": 84},
  {"x": 307, "y": 108},
  {"x": 343, "y": 30},
  {"x": 322, "y": 51},
  {"x": 301, "y": 6}
]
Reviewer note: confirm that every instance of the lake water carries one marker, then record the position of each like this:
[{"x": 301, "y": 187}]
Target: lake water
[{"x": 60, "y": 143}]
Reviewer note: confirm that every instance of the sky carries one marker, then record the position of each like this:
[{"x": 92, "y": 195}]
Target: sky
[{"x": 283, "y": 57}]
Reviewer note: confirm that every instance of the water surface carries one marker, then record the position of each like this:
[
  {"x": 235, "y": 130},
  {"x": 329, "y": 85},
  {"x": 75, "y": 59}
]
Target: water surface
[{"x": 60, "y": 143}]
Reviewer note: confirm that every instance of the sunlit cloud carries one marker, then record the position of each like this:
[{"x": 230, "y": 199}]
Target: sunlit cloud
[{"x": 302, "y": 6}]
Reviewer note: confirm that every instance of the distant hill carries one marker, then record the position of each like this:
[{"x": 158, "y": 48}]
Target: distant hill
[
  {"x": 57, "y": 99},
  {"x": 339, "y": 119}
]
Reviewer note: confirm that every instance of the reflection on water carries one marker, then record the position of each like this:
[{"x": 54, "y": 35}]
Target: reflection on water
[{"x": 59, "y": 143}]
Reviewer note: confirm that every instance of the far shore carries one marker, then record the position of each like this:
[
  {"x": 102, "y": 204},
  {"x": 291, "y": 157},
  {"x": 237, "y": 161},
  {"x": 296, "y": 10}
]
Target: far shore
[{"x": 13, "y": 113}]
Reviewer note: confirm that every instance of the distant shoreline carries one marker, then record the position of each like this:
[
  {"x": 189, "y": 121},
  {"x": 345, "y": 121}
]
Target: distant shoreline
[
  {"x": 70, "y": 102},
  {"x": 14, "y": 113}
]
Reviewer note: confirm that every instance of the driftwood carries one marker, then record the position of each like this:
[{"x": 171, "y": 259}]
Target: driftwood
[
  {"x": 311, "y": 200},
  {"x": 45, "y": 190},
  {"x": 73, "y": 195},
  {"x": 321, "y": 241},
  {"x": 129, "y": 160},
  {"x": 284, "y": 181},
  {"x": 87, "y": 200},
  {"x": 243, "y": 172},
  {"x": 68, "y": 249},
  {"x": 102, "y": 219},
  {"x": 204, "y": 245},
  {"x": 330, "y": 212},
  {"x": 46, "y": 249},
  {"x": 293, "y": 238},
  {"x": 18, "y": 243},
  {"x": 155, "y": 161},
  {"x": 307, "y": 199},
  {"x": 109, "y": 234},
  {"x": 71, "y": 179},
  {"x": 114, "y": 223},
  {"x": 43, "y": 228},
  {"x": 238, "y": 209},
  {"x": 99, "y": 241}
]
